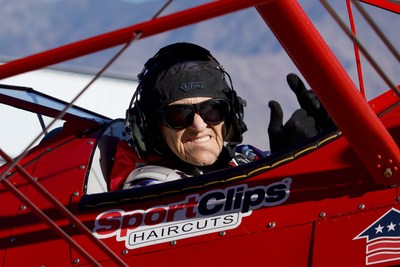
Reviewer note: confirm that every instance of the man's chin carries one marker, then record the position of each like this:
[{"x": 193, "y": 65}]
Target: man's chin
[{"x": 204, "y": 162}]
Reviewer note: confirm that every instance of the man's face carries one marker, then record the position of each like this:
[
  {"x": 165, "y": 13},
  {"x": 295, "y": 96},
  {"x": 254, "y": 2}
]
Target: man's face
[{"x": 198, "y": 144}]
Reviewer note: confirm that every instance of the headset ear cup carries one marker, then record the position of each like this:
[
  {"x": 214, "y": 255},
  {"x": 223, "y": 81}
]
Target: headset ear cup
[
  {"x": 241, "y": 103},
  {"x": 137, "y": 125},
  {"x": 236, "y": 126}
]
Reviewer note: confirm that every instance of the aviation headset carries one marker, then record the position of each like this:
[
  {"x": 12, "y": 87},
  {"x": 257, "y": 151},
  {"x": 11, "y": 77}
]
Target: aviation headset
[{"x": 141, "y": 117}]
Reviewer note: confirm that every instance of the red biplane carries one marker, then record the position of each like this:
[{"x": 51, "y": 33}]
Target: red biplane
[{"x": 334, "y": 202}]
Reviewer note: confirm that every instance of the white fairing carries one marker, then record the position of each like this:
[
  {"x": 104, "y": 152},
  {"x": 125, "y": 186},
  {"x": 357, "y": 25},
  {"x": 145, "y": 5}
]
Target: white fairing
[{"x": 158, "y": 173}]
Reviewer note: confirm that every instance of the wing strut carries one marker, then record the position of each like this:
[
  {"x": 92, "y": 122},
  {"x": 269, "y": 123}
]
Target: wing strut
[{"x": 352, "y": 114}]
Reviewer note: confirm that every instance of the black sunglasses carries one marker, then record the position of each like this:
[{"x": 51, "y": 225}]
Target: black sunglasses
[{"x": 179, "y": 116}]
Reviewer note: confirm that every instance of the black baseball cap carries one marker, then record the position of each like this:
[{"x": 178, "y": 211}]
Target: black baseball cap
[{"x": 190, "y": 79}]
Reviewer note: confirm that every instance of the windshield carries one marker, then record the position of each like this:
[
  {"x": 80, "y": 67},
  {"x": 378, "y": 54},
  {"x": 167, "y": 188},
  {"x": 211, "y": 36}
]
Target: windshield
[
  {"x": 25, "y": 114},
  {"x": 29, "y": 99}
]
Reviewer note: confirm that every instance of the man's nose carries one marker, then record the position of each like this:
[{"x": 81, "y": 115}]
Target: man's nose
[{"x": 198, "y": 123}]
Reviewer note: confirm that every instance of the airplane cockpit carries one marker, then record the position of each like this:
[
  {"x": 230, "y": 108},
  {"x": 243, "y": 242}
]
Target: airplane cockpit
[{"x": 103, "y": 135}]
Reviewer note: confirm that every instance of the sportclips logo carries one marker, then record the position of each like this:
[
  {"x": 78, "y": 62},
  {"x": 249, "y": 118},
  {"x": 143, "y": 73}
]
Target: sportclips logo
[{"x": 213, "y": 211}]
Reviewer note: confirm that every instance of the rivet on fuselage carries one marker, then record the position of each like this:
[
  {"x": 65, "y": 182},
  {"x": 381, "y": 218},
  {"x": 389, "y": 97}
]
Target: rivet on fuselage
[
  {"x": 82, "y": 167},
  {"x": 76, "y": 261},
  {"x": 172, "y": 243},
  {"x": 361, "y": 206},
  {"x": 388, "y": 172},
  {"x": 223, "y": 233},
  {"x": 124, "y": 252},
  {"x": 271, "y": 224},
  {"x": 322, "y": 214}
]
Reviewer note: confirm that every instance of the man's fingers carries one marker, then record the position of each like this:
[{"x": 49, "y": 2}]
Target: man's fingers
[
  {"x": 276, "y": 121},
  {"x": 306, "y": 98},
  {"x": 296, "y": 84}
]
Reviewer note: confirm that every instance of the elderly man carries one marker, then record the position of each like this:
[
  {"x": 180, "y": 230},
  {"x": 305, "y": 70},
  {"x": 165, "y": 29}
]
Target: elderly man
[{"x": 186, "y": 119}]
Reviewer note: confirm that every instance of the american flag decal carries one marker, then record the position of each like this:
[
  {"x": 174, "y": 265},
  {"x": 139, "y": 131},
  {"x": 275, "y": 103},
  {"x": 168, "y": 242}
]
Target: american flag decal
[{"x": 383, "y": 238}]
